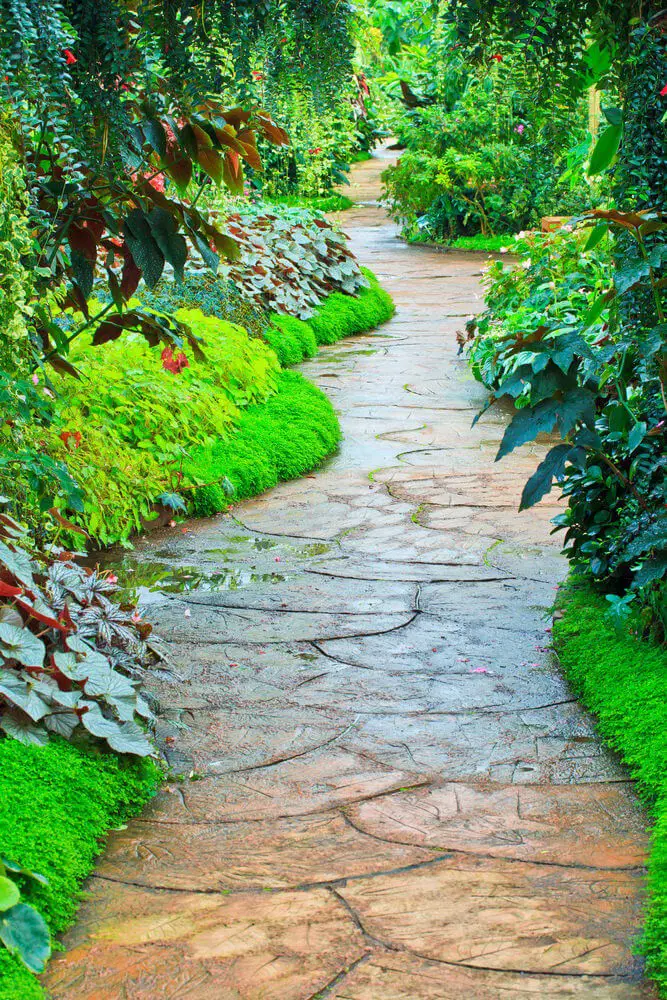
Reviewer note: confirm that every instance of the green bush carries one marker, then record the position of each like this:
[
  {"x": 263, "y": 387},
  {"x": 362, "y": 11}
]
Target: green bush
[
  {"x": 623, "y": 680},
  {"x": 58, "y": 802}
]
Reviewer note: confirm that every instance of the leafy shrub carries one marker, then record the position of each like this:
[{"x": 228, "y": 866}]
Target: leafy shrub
[
  {"x": 23, "y": 930},
  {"x": 138, "y": 421},
  {"x": 486, "y": 158},
  {"x": 58, "y": 801},
  {"x": 574, "y": 356},
  {"x": 557, "y": 281},
  {"x": 71, "y": 659},
  {"x": 290, "y": 259}
]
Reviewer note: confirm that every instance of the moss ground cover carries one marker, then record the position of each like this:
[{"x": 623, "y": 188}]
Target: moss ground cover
[
  {"x": 58, "y": 802},
  {"x": 338, "y": 316},
  {"x": 285, "y": 437},
  {"x": 623, "y": 680}
]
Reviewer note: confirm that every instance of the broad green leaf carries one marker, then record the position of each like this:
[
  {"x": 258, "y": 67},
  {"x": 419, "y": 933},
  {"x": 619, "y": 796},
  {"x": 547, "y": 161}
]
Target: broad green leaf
[
  {"x": 23, "y": 932},
  {"x": 636, "y": 436},
  {"x": 171, "y": 243},
  {"x": 144, "y": 249},
  {"x": 155, "y": 134},
  {"x": 597, "y": 309},
  {"x": 605, "y": 150},
  {"x": 576, "y": 406},
  {"x": 598, "y": 233},
  {"x": 527, "y": 424},
  {"x": 540, "y": 483},
  {"x": 9, "y": 893}
]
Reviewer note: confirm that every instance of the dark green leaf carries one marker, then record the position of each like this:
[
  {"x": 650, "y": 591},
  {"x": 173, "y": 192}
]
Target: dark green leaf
[
  {"x": 539, "y": 484},
  {"x": 23, "y": 932},
  {"x": 605, "y": 150}
]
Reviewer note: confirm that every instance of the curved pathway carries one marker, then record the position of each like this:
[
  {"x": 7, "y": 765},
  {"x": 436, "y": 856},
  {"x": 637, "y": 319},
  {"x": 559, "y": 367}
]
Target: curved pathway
[{"x": 397, "y": 795}]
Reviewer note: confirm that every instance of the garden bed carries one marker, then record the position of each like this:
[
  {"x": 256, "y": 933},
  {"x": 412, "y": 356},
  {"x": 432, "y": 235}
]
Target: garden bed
[{"x": 622, "y": 679}]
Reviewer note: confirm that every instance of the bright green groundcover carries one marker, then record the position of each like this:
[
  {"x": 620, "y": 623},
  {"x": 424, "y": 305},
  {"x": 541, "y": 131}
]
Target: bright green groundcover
[
  {"x": 288, "y": 435},
  {"x": 56, "y": 803},
  {"x": 623, "y": 680},
  {"x": 339, "y": 316}
]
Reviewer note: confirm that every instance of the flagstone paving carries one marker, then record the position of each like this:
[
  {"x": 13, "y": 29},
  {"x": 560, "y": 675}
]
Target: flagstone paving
[{"x": 396, "y": 795}]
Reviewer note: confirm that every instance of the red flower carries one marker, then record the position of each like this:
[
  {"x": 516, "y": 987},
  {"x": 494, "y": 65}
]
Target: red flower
[
  {"x": 257, "y": 75},
  {"x": 70, "y": 58},
  {"x": 174, "y": 363},
  {"x": 76, "y": 438},
  {"x": 498, "y": 58},
  {"x": 283, "y": 40},
  {"x": 315, "y": 150},
  {"x": 663, "y": 92}
]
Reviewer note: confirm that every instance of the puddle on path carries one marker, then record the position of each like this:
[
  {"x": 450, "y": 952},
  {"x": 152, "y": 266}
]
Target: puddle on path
[{"x": 142, "y": 578}]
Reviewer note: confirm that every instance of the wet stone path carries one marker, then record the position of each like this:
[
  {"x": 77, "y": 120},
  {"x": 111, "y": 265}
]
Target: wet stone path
[{"x": 397, "y": 796}]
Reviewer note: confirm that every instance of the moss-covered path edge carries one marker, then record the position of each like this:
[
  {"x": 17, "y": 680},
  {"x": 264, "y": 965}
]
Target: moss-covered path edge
[{"x": 387, "y": 787}]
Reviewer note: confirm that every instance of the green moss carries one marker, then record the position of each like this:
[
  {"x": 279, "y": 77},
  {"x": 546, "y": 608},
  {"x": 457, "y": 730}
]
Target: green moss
[
  {"x": 489, "y": 244},
  {"x": 623, "y": 680},
  {"x": 321, "y": 203},
  {"x": 58, "y": 802},
  {"x": 283, "y": 438}
]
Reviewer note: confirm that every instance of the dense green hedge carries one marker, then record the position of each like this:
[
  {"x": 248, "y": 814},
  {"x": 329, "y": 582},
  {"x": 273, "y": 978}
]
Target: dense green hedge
[
  {"x": 339, "y": 316},
  {"x": 623, "y": 680},
  {"x": 58, "y": 802}
]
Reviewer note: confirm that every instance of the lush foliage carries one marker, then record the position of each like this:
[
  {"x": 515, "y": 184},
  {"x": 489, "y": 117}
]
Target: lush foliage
[
  {"x": 71, "y": 658},
  {"x": 140, "y": 430},
  {"x": 129, "y": 427},
  {"x": 489, "y": 161},
  {"x": 585, "y": 350},
  {"x": 290, "y": 259},
  {"x": 623, "y": 680},
  {"x": 58, "y": 801},
  {"x": 554, "y": 341}
]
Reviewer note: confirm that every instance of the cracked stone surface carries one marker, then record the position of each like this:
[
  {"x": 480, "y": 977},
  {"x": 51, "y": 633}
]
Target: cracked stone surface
[{"x": 396, "y": 794}]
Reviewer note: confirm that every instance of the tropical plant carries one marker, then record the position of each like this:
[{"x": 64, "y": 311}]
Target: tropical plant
[{"x": 71, "y": 659}]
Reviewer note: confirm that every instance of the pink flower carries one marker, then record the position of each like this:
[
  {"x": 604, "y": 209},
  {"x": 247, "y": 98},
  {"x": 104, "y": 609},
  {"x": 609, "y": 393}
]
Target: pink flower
[
  {"x": 136, "y": 617},
  {"x": 35, "y": 378},
  {"x": 520, "y": 129},
  {"x": 112, "y": 578}
]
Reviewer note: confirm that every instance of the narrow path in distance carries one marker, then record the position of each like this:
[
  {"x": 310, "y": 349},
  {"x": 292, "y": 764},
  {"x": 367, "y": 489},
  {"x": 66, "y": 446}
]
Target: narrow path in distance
[{"x": 398, "y": 797}]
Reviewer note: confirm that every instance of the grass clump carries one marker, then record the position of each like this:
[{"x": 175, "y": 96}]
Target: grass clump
[
  {"x": 58, "y": 802},
  {"x": 623, "y": 680},
  {"x": 285, "y": 437}
]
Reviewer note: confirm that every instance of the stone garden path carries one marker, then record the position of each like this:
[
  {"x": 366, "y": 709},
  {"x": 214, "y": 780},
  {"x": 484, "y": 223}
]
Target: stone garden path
[{"x": 397, "y": 796}]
